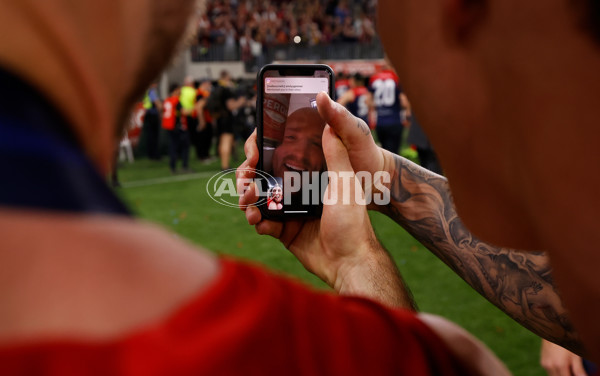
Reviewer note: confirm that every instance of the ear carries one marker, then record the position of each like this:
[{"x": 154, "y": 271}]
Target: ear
[{"x": 462, "y": 18}]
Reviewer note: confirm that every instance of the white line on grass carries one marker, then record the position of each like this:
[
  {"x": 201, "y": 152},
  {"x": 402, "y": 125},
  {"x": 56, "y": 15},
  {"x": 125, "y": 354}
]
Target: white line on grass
[{"x": 168, "y": 179}]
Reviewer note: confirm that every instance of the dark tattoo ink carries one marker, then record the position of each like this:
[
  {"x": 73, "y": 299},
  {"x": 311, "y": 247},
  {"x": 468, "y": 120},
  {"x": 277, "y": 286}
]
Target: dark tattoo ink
[{"x": 519, "y": 283}]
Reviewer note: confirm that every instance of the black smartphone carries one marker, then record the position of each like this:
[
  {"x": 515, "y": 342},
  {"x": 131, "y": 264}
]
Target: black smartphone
[{"x": 291, "y": 163}]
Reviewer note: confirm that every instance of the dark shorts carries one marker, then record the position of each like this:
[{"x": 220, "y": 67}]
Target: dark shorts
[
  {"x": 225, "y": 125},
  {"x": 390, "y": 137}
]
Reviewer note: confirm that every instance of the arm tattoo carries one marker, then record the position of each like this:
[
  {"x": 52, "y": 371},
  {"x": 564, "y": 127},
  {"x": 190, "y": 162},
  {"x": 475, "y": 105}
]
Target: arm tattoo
[{"x": 519, "y": 283}]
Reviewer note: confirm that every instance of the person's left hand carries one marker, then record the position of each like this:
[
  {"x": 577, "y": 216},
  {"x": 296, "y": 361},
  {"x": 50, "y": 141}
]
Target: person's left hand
[{"x": 558, "y": 361}]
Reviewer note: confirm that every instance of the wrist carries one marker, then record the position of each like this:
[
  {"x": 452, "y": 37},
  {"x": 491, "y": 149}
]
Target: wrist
[
  {"x": 389, "y": 171},
  {"x": 349, "y": 272},
  {"x": 373, "y": 274}
]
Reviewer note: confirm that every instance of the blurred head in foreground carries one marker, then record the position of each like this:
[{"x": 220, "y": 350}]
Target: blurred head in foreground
[
  {"x": 88, "y": 67},
  {"x": 490, "y": 86}
]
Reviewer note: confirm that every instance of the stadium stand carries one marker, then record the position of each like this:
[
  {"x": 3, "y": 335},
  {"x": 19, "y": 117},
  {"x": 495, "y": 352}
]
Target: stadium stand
[{"x": 259, "y": 32}]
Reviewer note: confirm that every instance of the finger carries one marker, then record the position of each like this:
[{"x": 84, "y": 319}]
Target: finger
[
  {"x": 249, "y": 197},
  {"x": 353, "y": 132},
  {"x": 336, "y": 154},
  {"x": 270, "y": 228},
  {"x": 251, "y": 150},
  {"x": 577, "y": 367},
  {"x": 253, "y": 215},
  {"x": 244, "y": 170}
]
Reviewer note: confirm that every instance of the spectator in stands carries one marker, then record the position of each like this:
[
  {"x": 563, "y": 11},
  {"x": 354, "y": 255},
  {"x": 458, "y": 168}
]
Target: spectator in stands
[{"x": 276, "y": 23}]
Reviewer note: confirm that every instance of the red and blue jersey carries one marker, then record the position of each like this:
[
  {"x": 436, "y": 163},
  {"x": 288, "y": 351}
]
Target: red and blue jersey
[
  {"x": 386, "y": 91},
  {"x": 359, "y": 107}
]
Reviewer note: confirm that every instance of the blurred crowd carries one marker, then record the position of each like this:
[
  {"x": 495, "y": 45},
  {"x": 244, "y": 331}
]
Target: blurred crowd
[{"x": 250, "y": 25}]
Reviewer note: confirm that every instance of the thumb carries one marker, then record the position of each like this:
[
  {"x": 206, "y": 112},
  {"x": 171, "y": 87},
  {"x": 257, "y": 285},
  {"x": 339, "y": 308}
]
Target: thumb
[
  {"x": 336, "y": 154},
  {"x": 353, "y": 132}
]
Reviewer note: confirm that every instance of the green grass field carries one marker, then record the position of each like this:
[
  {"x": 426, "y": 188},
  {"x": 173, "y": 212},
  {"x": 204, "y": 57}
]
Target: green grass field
[{"x": 181, "y": 203}]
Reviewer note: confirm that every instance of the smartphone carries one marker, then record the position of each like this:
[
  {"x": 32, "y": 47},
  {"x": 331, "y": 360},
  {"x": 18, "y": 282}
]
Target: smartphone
[{"x": 291, "y": 163}]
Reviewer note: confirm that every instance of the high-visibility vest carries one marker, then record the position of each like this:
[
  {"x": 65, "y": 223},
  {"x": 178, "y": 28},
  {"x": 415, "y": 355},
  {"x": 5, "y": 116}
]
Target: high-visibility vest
[{"x": 187, "y": 98}]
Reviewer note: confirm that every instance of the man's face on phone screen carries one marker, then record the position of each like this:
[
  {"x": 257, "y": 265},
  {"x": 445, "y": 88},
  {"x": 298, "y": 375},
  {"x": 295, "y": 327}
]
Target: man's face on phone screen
[{"x": 301, "y": 148}]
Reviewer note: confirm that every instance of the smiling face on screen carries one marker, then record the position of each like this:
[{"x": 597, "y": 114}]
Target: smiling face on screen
[{"x": 301, "y": 148}]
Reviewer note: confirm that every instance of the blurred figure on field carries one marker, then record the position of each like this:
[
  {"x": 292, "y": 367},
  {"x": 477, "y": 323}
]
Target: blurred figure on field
[
  {"x": 357, "y": 99},
  {"x": 187, "y": 99},
  {"x": 151, "y": 128},
  {"x": 179, "y": 139},
  {"x": 245, "y": 116},
  {"x": 558, "y": 361},
  {"x": 427, "y": 157},
  {"x": 341, "y": 84},
  {"x": 221, "y": 104},
  {"x": 389, "y": 102},
  {"x": 205, "y": 122}
]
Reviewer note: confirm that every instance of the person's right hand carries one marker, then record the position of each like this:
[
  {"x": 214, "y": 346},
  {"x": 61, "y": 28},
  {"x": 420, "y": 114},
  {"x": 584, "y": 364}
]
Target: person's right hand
[
  {"x": 558, "y": 361},
  {"x": 328, "y": 246},
  {"x": 341, "y": 247}
]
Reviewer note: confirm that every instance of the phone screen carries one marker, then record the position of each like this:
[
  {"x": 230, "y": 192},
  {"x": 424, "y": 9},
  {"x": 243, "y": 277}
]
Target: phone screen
[{"x": 290, "y": 140}]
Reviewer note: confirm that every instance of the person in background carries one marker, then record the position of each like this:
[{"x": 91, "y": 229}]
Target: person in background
[
  {"x": 418, "y": 138},
  {"x": 357, "y": 99},
  {"x": 188, "y": 102},
  {"x": 341, "y": 84},
  {"x": 389, "y": 102},
  {"x": 179, "y": 138},
  {"x": 205, "y": 126},
  {"x": 151, "y": 127},
  {"x": 225, "y": 95}
]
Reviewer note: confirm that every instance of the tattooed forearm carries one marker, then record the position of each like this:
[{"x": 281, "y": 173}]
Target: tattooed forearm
[{"x": 519, "y": 283}]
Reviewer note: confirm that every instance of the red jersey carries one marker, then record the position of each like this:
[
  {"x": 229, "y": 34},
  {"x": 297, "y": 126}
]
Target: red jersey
[
  {"x": 249, "y": 322},
  {"x": 170, "y": 113}
]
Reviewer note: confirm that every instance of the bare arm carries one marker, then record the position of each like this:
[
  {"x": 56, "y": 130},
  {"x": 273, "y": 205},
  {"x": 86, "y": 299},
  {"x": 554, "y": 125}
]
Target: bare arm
[
  {"x": 377, "y": 277},
  {"x": 406, "y": 106},
  {"x": 234, "y": 104},
  {"x": 519, "y": 283}
]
